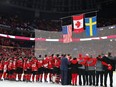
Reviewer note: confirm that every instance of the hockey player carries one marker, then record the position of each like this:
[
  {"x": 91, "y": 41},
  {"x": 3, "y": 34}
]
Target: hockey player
[
  {"x": 87, "y": 57},
  {"x": 28, "y": 70},
  {"x": 24, "y": 69},
  {"x": 57, "y": 63},
  {"x": 99, "y": 70},
  {"x": 40, "y": 69},
  {"x": 74, "y": 70},
  {"x": 5, "y": 68},
  {"x": 10, "y": 69},
  {"x": 50, "y": 67},
  {"x": 14, "y": 68},
  {"x": 1, "y": 69},
  {"x": 91, "y": 70},
  {"x": 34, "y": 68},
  {"x": 19, "y": 68},
  {"x": 56, "y": 68},
  {"x": 81, "y": 69},
  {"x": 45, "y": 67}
]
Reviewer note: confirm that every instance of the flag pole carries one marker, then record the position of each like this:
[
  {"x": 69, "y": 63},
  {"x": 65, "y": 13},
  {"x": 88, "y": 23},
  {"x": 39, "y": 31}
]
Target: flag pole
[
  {"x": 95, "y": 65},
  {"x": 90, "y": 12},
  {"x": 79, "y": 14}
]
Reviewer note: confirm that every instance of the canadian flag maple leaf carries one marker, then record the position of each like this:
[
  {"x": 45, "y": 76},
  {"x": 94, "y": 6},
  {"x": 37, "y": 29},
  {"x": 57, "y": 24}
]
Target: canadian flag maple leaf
[{"x": 78, "y": 23}]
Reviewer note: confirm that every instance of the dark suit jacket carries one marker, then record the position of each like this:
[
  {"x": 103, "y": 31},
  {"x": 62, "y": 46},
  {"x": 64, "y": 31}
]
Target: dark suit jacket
[
  {"x": 110, "y": 61},
  {"x": 64, "y": 64}
]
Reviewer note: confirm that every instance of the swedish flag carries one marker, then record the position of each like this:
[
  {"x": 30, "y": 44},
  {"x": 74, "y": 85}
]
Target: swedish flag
[{"x": 91, "y": 26}]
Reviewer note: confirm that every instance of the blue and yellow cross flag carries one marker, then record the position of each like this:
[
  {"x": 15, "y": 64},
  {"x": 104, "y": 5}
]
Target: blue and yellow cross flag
[{"x": 91, "y": 26}]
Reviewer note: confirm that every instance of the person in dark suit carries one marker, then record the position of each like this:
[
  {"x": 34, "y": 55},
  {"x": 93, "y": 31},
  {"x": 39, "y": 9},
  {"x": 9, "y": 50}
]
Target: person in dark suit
[
  {"x": 109, "y": 70},
  {"x": 64, "y": 69},
  {"x": 69, "y": 70}
]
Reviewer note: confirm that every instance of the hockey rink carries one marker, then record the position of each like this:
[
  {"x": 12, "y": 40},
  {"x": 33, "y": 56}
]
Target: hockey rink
[{"x": 44, "y": 84}]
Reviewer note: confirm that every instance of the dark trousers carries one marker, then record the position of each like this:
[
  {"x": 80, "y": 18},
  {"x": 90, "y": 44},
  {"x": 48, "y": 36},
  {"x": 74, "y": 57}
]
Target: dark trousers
[
  {"x": 110, "y": 76},
  {"x": 82, "y": 76},
  {"x": 64, "y": 77},
  {"x": 99, "y": 74},
  {"x": 91, "y": 74},
  {"x": 69, "y": 77},
  {"x": 86, "y": 77}
]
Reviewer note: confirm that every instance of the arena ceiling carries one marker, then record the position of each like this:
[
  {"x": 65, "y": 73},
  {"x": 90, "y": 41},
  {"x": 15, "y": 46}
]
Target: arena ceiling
[{"x": 55, "y": 8}]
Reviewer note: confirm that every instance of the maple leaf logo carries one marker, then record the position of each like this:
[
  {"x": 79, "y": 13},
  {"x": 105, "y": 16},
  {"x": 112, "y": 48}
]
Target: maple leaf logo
[{"x": 78, "y": 24}]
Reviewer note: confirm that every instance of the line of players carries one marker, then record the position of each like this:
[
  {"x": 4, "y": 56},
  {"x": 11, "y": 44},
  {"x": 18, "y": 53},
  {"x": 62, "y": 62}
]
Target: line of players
[{"x": 26, "y": 69}]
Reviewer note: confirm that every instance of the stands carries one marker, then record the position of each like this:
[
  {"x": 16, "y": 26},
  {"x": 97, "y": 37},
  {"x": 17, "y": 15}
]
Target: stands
[{"x": 17, "y": 26}]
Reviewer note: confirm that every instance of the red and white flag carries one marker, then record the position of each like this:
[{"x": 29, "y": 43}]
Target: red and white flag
[
  {"x": 78, "y": 23},
  {"x": 67, "y": 33}
]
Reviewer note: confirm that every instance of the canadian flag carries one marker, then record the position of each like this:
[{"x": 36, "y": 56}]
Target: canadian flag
[{"x": 78, "y": 23}]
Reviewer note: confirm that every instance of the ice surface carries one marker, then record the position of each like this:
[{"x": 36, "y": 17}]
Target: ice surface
[{"x": 38, "y": 84}]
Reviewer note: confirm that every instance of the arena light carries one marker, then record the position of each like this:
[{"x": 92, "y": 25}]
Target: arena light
[
  {"x": 111, "y": 40},
  {"x": 111, "y": 27},
  {"x": 101, "y": 29}
]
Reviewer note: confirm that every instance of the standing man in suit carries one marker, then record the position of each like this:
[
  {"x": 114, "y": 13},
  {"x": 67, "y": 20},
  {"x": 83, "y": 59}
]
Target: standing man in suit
[
  {"x": 64, "y": 69},
  {"x": 109, "y": 70}
]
